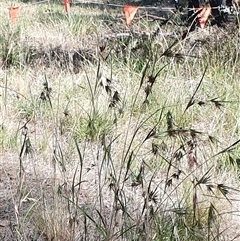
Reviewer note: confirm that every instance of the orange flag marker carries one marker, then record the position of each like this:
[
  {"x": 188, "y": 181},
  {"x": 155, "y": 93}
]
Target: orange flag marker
[
  {"x": 66, "y": 4},
  {"x": 203, "y": 15},
  {"x": 129, "y": 12},
  {"x": 13, "y": 12}
]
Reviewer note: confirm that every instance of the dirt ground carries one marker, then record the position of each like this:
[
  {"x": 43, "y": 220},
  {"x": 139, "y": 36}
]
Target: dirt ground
[{"x": 39, "y": 176}]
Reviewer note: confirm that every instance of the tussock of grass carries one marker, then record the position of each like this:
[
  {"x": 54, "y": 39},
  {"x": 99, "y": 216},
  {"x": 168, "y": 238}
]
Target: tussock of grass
[{"x": 109, "y": 133}]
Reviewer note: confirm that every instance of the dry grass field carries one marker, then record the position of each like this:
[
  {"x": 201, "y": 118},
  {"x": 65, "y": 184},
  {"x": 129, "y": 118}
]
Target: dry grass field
[{"x": 111, "y": 132}]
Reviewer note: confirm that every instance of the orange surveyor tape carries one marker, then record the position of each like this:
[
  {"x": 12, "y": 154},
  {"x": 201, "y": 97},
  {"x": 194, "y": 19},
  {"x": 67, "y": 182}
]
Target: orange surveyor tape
[
  {"x": 13, "y": 12},
  {"x": 66, "y": 5},
  {"x": 129, "y": 12},
  {"x": 203, "y": 15}
]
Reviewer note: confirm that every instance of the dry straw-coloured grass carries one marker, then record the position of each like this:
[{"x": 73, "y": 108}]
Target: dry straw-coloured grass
[{"x": 110, "y": 133}]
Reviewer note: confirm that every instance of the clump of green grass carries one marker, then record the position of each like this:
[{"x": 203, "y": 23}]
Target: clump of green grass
[{"x": 10, "y": 51}]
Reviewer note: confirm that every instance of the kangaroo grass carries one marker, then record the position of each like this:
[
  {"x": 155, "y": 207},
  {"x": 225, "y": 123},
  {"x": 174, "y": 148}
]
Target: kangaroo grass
[{"x": 120, "y": 133}]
